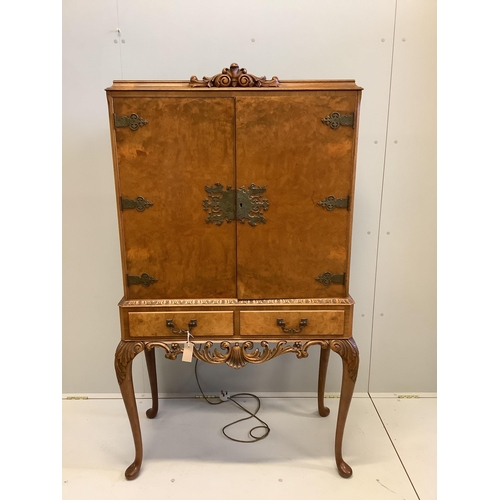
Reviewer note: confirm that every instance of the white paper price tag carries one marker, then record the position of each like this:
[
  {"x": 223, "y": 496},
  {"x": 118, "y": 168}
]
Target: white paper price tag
[{"x": 187, "y": 355}]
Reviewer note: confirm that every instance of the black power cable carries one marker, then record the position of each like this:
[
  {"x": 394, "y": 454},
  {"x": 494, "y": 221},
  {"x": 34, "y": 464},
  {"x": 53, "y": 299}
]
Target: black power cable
[{"x": 251, "y": 415}]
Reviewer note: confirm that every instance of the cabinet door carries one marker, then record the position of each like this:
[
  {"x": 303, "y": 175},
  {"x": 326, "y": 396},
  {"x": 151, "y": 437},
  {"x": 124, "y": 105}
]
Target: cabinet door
[
  {"x": 186, "y": 145},
  {"x": 282, "y": 144}
]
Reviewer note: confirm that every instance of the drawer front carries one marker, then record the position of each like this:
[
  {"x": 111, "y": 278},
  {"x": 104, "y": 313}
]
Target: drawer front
[
  {"x": 266, "y": 323},
  {"x": 154, "y": 324}
]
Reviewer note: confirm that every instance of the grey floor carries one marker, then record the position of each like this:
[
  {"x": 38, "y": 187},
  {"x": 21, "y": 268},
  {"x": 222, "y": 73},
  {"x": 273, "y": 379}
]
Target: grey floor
[{"x": 390, "y": 442}]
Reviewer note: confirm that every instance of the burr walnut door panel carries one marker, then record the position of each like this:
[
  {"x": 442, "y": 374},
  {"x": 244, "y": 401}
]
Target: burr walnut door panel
[
  {"x": 187, "y": 144},
  {"x": 282, "y": 144}
]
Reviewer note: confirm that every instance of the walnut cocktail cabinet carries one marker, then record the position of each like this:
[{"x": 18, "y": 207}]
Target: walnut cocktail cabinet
[{"x": 235, "y": 198}]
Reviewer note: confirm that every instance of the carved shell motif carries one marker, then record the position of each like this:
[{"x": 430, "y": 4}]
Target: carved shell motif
[{"x": 234, "y": 77}]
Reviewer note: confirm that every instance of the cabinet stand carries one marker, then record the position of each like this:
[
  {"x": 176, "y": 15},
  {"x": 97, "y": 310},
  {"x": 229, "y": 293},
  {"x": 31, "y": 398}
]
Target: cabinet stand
[{"x": 237, "y": 355}]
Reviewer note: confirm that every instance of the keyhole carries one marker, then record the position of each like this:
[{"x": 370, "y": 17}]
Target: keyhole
[{"x": 241, "y": 205}]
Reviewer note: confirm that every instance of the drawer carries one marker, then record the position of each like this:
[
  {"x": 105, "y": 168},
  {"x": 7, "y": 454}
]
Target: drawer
[
  {"x": 266, "y": 323},
  {"x": 208, "y": 324}
]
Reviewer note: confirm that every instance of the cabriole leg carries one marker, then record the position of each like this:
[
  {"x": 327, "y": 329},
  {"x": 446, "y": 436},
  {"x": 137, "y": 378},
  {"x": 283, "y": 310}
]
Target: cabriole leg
[
  {"x": 125, "y": 353},
  {"x": 348, "y": 351},
  {"x": 151, "y": 364},
  {"x": 323, "y": 367}
]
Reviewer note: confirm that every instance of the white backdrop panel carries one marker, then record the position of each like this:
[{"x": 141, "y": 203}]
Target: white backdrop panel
[{"x": 404, "y": 336}]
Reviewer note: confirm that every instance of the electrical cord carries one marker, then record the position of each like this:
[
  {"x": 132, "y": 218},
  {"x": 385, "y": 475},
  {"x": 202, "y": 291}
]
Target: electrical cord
[{"x": 251, "y": 415}]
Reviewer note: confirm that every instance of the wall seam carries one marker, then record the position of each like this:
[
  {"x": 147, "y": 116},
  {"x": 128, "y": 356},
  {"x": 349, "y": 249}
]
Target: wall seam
[
  {"x": 119, "y": 38},
  {"x": 382, "y": 197}
]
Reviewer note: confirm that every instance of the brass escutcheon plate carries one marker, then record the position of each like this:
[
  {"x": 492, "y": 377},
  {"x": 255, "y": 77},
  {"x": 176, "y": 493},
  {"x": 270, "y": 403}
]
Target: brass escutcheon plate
[{"x": 242, "y": 205}]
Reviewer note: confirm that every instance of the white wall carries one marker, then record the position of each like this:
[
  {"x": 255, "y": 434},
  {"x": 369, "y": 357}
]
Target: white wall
[{"x": 392, "y": 276}]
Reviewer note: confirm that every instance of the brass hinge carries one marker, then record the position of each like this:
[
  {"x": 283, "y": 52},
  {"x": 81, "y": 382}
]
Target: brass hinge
[
  {"x": 328, "y": 278},
  {"x": 140, "y": 203},
  {"x": 335, "y": 120},
  {"x": 330, "y": 202},
  {"x": 144, "y": 279},
  {"x": 134, "y": 121}
]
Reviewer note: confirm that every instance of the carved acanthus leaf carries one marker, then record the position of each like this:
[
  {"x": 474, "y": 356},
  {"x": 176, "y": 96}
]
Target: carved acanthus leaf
[
  {"x": 236, "y": 355},
  {"x": 348, "y": 351},
  {"x": 125, "y": 353}
]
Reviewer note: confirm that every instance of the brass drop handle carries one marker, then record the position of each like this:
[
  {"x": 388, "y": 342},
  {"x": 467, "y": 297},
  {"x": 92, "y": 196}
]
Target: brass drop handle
[
  {"x": 302, "y": 324},
  {"x": 170, "y": 324}
]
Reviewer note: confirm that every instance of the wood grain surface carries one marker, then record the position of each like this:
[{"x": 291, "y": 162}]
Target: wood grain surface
[
  {"x": 153, "y": 324},
  {"x": 319, "y": 323},
  {"x": 187, "y": 144},
  {"x": 282, "y": 144}
]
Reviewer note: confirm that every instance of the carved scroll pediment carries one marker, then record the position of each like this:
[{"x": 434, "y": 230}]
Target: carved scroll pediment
[{"x": 234, "y": 77}]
